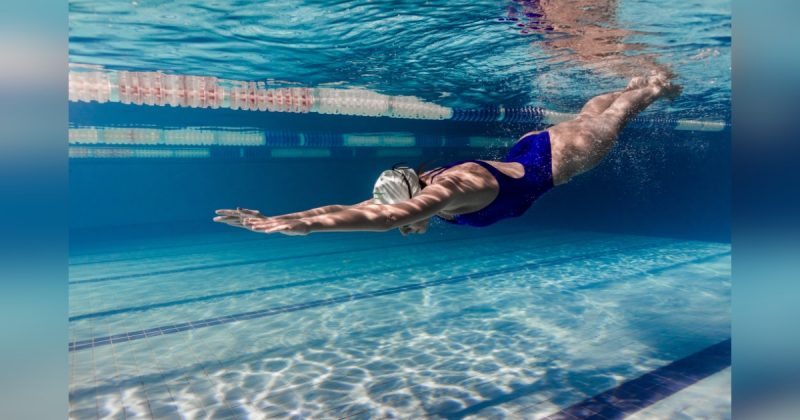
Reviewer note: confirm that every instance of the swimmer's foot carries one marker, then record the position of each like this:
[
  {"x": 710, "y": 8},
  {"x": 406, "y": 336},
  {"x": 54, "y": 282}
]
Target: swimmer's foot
[
  {"x": 637, "y": 83},
  {"x": 663, "y": 87}
]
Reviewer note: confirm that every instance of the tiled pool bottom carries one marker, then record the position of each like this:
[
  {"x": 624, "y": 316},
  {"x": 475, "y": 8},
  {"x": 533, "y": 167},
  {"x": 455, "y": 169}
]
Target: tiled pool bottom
[{"x": 507, "y": 322}]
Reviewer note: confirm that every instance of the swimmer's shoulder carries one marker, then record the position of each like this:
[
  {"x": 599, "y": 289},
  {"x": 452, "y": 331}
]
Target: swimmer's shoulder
[{"x": 466, "y": 176}]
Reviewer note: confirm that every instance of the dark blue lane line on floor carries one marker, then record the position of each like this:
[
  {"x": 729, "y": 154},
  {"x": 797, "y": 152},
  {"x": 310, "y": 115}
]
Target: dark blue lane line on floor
[
  {"x": 658, "y": 270},
  {"x": 333, "y": 279},
  {"x": 321, "y": 280},
  {"x": 171, "y": 329},
  {"x": 528, "y": 390},
  {"x": 632, "y": 395},
  {"x": 639, "y": 393},
  {"x": 283, "y": 258}
]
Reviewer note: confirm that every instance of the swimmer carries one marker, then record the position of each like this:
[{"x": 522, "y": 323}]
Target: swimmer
[{"x": 476, "y": 192}]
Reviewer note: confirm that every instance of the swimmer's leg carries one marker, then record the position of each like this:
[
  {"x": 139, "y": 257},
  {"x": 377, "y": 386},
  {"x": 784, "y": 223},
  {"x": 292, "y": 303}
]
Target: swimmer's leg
[
  {"x": 580, "y": 144},
  {"x": 631, "y": 102},
  {"x": 595, "y": 106}
]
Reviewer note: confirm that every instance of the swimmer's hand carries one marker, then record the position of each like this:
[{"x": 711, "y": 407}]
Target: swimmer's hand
[
  {"x": 272, "y": 225},
  {"x": 418, "y": 228},
  {"x": 236, "y": 217}
]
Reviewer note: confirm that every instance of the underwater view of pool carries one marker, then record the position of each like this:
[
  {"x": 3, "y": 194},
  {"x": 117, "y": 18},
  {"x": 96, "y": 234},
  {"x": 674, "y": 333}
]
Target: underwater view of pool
[{"x": 610, "y": 298}]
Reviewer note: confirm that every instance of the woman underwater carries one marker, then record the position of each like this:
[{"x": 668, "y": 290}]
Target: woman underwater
[{"x": 477, "y": 192}]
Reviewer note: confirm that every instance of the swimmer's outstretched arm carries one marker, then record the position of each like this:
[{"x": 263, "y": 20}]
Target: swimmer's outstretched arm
[
  {"x": 234, "y": 217},
  {"x": 322, "y": 210},
  {"x": 367, "y": 217}
]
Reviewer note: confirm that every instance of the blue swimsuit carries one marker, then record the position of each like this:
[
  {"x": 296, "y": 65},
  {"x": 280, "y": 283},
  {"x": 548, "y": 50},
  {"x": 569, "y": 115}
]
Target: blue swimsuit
[{"x": 516, "y": 194}]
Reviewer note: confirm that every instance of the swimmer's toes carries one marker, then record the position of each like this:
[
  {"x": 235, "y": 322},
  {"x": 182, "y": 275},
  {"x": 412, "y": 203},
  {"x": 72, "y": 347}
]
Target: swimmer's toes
[
  {"x": 659, "y": 80},
  {"x": 637, "y": 83},
  {"x": 664, "y": 87}
]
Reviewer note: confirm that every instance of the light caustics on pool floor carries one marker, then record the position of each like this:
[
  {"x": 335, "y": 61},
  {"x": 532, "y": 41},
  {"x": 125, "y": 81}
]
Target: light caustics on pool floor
[
  {"x": 531, "y": 322},
  {"x": 160, "y": 89}
]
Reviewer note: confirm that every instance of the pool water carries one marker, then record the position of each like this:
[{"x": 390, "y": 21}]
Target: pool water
[
  {"x": 454, "y": 53},
  {"x": 609, "y": 298},
  {"x": 487, "y": 323}
]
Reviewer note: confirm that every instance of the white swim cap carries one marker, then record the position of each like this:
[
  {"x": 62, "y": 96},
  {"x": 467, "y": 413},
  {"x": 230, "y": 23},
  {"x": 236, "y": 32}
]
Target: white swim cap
[{"x": 396, "y": 185}]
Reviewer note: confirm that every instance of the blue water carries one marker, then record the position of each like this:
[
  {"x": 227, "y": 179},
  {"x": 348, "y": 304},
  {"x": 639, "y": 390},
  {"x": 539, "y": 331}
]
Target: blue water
[
  {"x": 461, "y": 54},
  {"x": 612, "y": 276}
]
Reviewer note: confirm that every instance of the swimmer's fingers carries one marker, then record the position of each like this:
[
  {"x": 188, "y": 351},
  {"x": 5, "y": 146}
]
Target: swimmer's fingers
[
  {"x": 224, "y": 218},
  {"x": 287, "y": 227},
  {"x": 259, "y": 224},
  {"x": 226, "y": 212},
  {"x": 228, "y": 219},
  {"x": 236, "y": 217},
  {"x": 239, "y": 212},
  {"x": 248, "y": 212}
]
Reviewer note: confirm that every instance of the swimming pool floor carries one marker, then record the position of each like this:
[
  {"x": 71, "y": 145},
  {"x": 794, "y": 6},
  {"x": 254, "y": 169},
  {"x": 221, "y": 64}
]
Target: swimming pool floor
[{"x": 507, "y": 322}]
